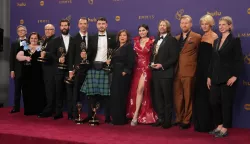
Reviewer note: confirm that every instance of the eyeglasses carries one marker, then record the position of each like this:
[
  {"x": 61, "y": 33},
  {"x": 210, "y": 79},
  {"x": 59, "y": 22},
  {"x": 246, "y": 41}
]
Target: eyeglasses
[
  {"x": 21, "y": 30},
  {"x": 49, "y": 29}
]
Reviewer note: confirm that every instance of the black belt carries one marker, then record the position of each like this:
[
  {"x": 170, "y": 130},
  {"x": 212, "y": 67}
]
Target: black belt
[{"x": 98, "y": 65}]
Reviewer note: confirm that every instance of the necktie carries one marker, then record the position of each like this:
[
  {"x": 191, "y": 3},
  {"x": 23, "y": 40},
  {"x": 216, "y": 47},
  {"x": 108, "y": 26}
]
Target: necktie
[
  {"x": 84, "y": 39},
  {"x": 161, "y": 37},
  {"x": 101, "y": 35}
]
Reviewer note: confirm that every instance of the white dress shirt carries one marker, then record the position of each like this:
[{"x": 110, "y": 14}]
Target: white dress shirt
[
  {"x": 66, "y": 41},
  {"x": 102, "y": 48},
  {"x": 159, "y": 42}
]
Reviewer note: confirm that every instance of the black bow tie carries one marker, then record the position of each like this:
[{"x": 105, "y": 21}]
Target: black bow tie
[
  {"x": 101, "y": 35},
  {"x": 22, "y": 40},
  {"x": 161, "y": 37}
]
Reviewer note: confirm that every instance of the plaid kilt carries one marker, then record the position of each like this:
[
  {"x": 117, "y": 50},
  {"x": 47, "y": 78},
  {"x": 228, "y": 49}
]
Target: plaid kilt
[{"x": 96, "y": 83}]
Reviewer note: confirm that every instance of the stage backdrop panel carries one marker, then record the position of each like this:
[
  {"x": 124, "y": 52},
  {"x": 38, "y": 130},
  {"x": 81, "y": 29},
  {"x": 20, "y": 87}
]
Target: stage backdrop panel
[{"x": 128, "y": 14}]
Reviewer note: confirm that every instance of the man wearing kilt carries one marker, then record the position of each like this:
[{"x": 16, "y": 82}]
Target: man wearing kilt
[{"x": 96, "y": 85}]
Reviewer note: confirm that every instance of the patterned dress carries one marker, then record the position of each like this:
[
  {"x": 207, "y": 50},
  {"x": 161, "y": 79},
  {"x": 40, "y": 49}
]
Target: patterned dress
[{"x": 146, "y": 114}]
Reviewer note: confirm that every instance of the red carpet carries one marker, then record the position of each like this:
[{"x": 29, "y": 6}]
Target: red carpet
[{"x": 20, "y": 129}]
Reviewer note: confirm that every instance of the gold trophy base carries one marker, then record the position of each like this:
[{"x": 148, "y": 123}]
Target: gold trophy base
[
  {"x": 107, "y": 69},
  {"x": 62, "y": 66},
  {"x": 94, "y": 122},
  {"x": 40, "y": 59},
  {"x": 69, "y": 81},
  {"x": 84, "y": 62},
  {"x": 79, "y": 121}
]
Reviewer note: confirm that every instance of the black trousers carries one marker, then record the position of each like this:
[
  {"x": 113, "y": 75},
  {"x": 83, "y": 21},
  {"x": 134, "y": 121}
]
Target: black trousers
[
  {"x": 221, "y": 98},
  {"x": 163, "y": 98},
  {"x": 50, "y": 89},
  {"x": 77, "y": 95},
  {"x": 18, "y": 92},
  {"x": 63, "y": 92}
]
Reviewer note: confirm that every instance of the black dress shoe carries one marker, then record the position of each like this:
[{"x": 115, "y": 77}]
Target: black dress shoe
[
  {"x": 214, "y": 132},
  {"x": 159, "y": 122},
  {"x": 166, "y": 126},
  {"x": 108, "y": 121},
  {"x": 185, "y": 126},
  {"x": 70, "y": 118},
  {"x": 85, "y": 120},
  {"x": 44, "y": 115},
  {"x": 176, "y": 124},
  {"x": 15, "y": 110},
  {"x": 57, "y": 117},
  {"x": 221, "y": 134}
]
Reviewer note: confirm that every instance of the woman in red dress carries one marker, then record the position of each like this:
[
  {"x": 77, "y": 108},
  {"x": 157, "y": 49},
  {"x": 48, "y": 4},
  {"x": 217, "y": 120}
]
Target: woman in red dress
[{"x": 139, "y": 104}]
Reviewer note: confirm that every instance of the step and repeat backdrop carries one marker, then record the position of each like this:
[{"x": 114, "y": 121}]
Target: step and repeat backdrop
[{"x": 128, "y": 14}]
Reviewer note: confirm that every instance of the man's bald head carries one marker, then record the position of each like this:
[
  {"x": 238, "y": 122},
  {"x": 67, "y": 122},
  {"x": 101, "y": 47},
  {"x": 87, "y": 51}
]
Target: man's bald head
[{"x": 49, "y": 30}]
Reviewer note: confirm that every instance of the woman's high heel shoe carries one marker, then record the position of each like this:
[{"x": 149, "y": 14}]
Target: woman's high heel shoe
[
  {"x": 133, "y": 122},
  {"x": 221, "y": 134},
  {"x": 214, "y": 132}
]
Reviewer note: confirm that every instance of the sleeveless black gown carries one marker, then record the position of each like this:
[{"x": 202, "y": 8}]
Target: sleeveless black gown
[{"x": 203, "y": 121}]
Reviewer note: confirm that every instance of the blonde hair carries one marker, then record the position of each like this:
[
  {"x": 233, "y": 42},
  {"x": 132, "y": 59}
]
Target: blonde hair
[
  {"x": 207, "y": 19},
  {"x": 228, "y": 20},
  {"x": 187, "y": 17},
  {"x": 167, "y": 24}
]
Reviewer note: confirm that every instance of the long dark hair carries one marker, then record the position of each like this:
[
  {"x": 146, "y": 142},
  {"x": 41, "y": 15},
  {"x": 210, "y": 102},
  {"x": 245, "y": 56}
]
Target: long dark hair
[{"x": 144, "y": 26}]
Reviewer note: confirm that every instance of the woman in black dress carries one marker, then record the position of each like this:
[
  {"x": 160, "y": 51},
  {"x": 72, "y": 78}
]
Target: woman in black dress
[
  {"x": 202, "y": 111},
  {"x": 122, "y": 64},
  {"x": 225, "y": 68},
  {"x": 33, "y": 85}
]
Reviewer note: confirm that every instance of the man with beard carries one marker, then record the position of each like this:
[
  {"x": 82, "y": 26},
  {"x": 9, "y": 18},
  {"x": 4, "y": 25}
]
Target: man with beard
[
  {"x": 48, "y": 71},
  {"x": 77, "y": 54},
  {"x": 185, "y": 76},
  {"x": 96, "y": 84},
  {"x": 16, "y": 66},
  {"x": 61, "y": 47},
  {"x": 163, "y": 59}
]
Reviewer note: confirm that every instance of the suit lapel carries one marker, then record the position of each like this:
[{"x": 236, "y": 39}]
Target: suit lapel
[
  {"x": 163, "y": 42},
  {"x": 187, "y": 40},
  {"x": 62, "y": 43},
  {"x": 226, "y": 42}
]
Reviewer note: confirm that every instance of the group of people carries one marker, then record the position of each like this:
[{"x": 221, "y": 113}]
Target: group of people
[{"x": 143, "y": 81}]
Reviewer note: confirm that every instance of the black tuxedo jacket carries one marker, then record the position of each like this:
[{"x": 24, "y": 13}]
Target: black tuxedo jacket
[
  {"x": 226, "y": 61},
  {"x": 15, "y": 65},
  {"x": 55, "y": 54},
  {"x": 49, "y": 66},
  {"x": 93, "y": 45},
  {"x": 75, "y": 51},
  {"x": 167, "y": 56}
]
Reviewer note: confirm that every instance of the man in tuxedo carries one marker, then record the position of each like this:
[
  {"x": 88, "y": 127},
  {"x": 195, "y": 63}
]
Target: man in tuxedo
[
  {"x": 185, "y": 72},
  {"x": 61, "y": 48},
  {"x": 48, "y": 71},
  {"x": 163, "y": 63},
  {"x": 96, "y": 84},
  {"x": 16, "y": 66},
  {"x": 77, "y": 54}
]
